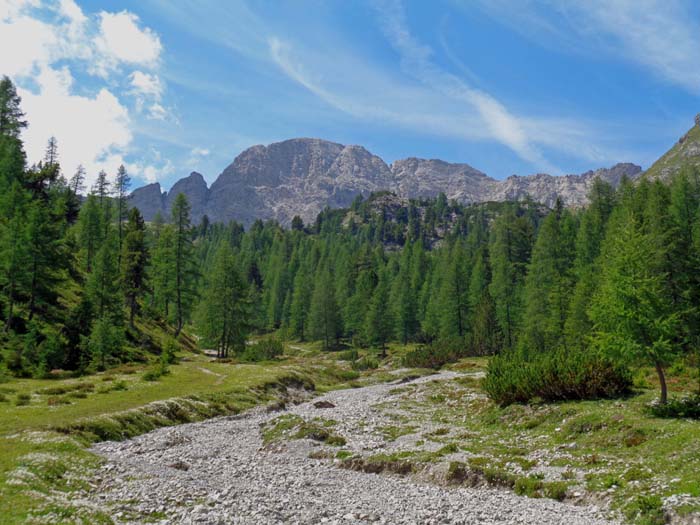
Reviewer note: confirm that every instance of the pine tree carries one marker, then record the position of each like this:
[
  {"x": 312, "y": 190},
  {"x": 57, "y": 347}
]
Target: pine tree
[
  {"x": 549, "y": 283},
  {"x": 103, "y": 288},
  {"x": 14, "y": 255},
  {"x": 454, "y": 300},
  {"x": 44, "y": 250},
  {"x": 301, "y": 303},
  {"x": 121, "y": 189},
  {"x": 134, "y": 262},
  {"x": 324, "y": 314},
  {"x": 379, "y": 325},
  {"x": 510, "y": 246},
  {"x": 185, "y": 273},
  {"x": 90, "y": 230},
  {"x": 164, "y": 270},
  {"x": 405, "y": 298},
  {"x": 223, "y": 314},
  {"x": 77, "y": 181},
  {"x": 632, "y": 311},
  {"x": 11, "y": 116}
]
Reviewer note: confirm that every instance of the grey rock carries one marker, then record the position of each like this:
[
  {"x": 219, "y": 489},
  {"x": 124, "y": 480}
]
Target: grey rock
[{"x": 303, "y": 176}]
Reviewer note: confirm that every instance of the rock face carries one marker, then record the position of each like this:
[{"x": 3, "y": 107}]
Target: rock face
[
  {"x": 303, "y": 176},
  {"x": 150, "y": 199}
]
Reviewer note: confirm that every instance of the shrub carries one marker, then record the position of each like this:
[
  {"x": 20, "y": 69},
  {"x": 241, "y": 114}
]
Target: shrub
[
  {"x": 22, "y": 399},
  {"x": 685, "y": 407},
  {"x": 436, "y": 354},
  {"x": 555, "y": 376},
  {"x": 365, "y": 363},
  {"x": 349, "y": 355},
  {"x": 263, "y": 350}
]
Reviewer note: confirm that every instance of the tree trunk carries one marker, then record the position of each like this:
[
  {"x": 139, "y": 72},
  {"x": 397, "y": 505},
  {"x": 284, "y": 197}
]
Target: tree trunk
[
  {"x": 132, "y": 311},
  {"x": 662, "y": 381}
]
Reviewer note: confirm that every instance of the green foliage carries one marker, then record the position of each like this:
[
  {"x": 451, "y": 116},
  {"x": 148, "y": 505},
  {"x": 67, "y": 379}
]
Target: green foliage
[
  {"x": 684, "y": 407},
  {"x": 554, "y": 376},
  {"x": 223, "y": 313},
  {"x": 264, "y": 349},
  {"x": 436, "y": 354}
]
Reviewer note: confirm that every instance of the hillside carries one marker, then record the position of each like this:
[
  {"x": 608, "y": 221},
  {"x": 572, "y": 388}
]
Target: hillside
[
  {"x": 304, "y": 176},
  {"x": 685, "y": 153}
]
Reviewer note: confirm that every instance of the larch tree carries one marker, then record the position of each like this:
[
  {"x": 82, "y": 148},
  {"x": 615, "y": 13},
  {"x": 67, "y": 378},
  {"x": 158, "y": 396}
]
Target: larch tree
[
  {"x": 185, "y": 265},
  {"x": 134, "y": 262},
  {"x": 631, "y": 310},
  {"x": 223, "y": 314}
]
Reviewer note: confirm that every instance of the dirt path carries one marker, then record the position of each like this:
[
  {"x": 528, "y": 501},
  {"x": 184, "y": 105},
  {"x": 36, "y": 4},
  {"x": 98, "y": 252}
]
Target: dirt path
[{"x": 220, "y": 471}]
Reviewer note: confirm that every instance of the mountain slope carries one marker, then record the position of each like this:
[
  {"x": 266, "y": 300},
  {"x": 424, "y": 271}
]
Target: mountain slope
[
  {"x": 685, "y": 153},
  {"x": 303, "y": 176}
]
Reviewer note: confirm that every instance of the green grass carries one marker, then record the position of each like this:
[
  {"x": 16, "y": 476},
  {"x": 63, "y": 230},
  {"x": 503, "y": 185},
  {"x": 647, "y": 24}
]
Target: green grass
[
  {"x": 613, "y": 448},
  {"x": 56, "y": 420}
]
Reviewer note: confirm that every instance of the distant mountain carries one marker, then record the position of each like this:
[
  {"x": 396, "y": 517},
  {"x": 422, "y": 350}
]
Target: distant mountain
[
  {"x": 303, "y": 176},
  {"x": 685, "y": 153}
]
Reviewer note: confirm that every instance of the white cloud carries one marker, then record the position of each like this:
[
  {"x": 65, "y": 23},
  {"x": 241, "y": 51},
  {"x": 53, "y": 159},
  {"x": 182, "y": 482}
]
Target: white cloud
[
  {"x": 146, "y": 84},
  {"x": 200, "y": 152},
  {"x": 36, "y": 37},
  {"x": 121, "y": 40},
  {"x": 150, "y": 172},
  {"x": 90, "y": 131},
  {"x": 504, "y": 126},
  {"x": 93, "y": 129}
]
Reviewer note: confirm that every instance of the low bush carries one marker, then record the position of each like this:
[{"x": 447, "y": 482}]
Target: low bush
[
  {"x": 436, "y": 354},
  {"x": 22, "y": 399},
  {"x": 685, "y": 407},
  {"x": 555, "y": 376},
  {"x": 263, "y": 350},
  {"x": 349, "y": 355},
  {"x": 365, "y": 363}
]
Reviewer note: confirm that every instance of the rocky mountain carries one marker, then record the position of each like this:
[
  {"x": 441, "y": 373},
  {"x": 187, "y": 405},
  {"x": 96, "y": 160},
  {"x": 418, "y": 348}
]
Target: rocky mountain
[
  {"x": 302, "y": 176},
  {"x": 685, "y": 153}
]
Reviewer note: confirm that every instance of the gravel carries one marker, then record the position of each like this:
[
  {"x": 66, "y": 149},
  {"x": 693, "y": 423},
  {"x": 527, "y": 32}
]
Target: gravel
[{"x": 220, "y": 472}]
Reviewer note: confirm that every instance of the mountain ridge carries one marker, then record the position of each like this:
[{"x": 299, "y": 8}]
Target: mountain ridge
[{"x": 302, "y": 176}]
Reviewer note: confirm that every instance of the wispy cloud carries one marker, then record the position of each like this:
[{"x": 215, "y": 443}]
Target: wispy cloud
[
  {"x": 504, "y": 126},
  {"x": 662, "y": 36}
]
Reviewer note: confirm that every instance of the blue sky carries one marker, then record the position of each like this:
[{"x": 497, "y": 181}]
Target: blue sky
[{"x": 168, "y": 87}]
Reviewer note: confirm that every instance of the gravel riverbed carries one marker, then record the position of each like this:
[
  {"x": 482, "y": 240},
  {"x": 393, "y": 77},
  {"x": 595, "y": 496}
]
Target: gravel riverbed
[{"x": 220, "y": 472}]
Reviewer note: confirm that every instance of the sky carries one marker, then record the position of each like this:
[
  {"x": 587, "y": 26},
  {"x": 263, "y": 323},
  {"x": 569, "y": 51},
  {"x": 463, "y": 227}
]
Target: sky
[{"x": 508, "y": 86}]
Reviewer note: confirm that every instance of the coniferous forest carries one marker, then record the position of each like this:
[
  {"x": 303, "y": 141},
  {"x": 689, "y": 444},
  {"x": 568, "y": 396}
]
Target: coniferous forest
[{"x": 568, "y": 301}]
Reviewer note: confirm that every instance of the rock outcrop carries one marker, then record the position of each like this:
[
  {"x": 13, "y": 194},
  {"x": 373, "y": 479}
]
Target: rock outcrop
[{"x": 303, "y": 176}]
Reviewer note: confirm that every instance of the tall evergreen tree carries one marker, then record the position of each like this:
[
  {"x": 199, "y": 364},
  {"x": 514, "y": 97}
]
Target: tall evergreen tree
[
  {"x": 632, "y": 311},
  {"x": 379, "y": 325},
  {"x": 301, "y": 303},
  {"x": 134, "y": 262},
  {"x": 510, "y": 247},
  {"x": 324, "y": 314},
  {"x": 223, "y": 314},
  {"x": 122, "y": 182},
  {"x": 185, "y": 269},
  {"x": 549, "y": 283}
]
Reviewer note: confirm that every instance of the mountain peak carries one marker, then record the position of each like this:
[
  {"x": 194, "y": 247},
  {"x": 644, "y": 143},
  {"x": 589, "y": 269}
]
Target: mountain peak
[{"x": 302, "y": 176}]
